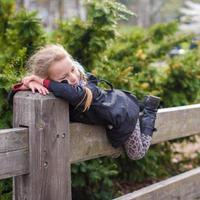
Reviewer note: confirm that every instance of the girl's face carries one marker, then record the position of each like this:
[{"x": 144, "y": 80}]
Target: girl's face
[{"x": 64, "y": 70}]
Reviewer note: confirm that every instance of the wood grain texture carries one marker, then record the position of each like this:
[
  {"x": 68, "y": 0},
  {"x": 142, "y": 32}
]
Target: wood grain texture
[
  {"x": 184, "y": 187},
  {"x": 13, "y": 163},
  {"x": 13, "y": 152},
  {"x": 177, "y": 122},
  {"x": 13, "y": 139},
  {"x": 49, "y": 166},
  {"x": 89, "y": 142}
]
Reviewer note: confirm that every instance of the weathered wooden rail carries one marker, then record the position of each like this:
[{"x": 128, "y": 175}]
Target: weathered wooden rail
[{"x": 40, "y": 148}]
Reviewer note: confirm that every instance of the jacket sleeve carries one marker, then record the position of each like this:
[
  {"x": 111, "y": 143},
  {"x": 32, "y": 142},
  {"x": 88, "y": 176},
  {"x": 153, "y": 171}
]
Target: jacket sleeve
[
  {"x": 17, "y": 87},
  {"x": 73, "y": 94}
]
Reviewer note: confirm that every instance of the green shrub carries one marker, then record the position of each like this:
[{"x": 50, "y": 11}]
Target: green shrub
[
  {"x": 22, "y": 34},
  {"x": 86, "y": 41},
  {"x": 97, "y": 175},
  {"x": 183, "y": 78},
  {"x": 5, "y": 189}
]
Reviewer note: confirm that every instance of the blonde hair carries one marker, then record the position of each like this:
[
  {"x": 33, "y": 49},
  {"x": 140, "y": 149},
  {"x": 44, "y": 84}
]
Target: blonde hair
[{"x": 40, "y": 62}]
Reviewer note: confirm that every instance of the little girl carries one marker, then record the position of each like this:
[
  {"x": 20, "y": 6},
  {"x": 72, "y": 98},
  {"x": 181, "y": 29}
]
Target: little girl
[{"x": 54, "y": 70}]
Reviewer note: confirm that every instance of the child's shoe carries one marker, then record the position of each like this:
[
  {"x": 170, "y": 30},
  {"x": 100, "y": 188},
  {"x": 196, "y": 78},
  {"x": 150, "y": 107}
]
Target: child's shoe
[
  {"x": 151, "y": 102},
  {"x": 147, "y": 120}
]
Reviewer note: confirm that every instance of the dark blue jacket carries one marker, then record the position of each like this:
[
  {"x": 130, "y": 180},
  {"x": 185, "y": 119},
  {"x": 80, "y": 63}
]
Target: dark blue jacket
[{"x": 116, "y": 110}]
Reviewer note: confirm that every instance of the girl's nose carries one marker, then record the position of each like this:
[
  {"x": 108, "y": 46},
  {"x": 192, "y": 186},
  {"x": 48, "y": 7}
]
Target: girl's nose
[{"x": 72, "y": 78}]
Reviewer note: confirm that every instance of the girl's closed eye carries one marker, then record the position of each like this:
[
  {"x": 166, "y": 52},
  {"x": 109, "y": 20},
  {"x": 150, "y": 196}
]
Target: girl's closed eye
[{"x": 64, "y": 77}]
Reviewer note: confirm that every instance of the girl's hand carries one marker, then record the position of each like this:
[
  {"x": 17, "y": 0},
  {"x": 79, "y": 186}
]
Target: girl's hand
[
  {"x": 26, "y": 80},
  {"x": 33, "y": 85}
]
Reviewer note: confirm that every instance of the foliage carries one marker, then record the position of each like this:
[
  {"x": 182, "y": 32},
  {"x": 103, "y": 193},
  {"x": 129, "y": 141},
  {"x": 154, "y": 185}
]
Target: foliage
[
  {"x": 5, "y": 189},
  {"x": 86, "y": 41},
  {"x": 22, "y": 33},
  {"x": 137, "y": 60},
  {"x": 183, "y": 74},
  {"x": 97, "y": 174},
  {"x": 6, "y": 10},
  {"x": 148, "y": 68},
  {"x": 155, "y": 164}
]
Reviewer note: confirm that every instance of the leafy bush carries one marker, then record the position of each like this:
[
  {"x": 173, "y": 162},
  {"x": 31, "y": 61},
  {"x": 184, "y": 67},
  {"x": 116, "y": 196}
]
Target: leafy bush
[
  {"x": 97, "y": 175},
  {"x": 86, "y": 41},
  {"x": 183, "y": 78},
  {"x": 5, "y": 189},
  {"x": 22, "y": 33}
]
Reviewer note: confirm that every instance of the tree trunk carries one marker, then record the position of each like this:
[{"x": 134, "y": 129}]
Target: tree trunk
[
  {"x": 61, "y": 9},
  {"x": 19, "y": 4},
  {"x": 144, "y": 13}
]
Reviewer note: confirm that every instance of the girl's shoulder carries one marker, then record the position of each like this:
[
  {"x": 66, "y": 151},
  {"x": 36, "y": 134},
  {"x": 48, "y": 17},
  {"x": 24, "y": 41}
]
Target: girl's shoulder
[{"x": 92, "y": 78}]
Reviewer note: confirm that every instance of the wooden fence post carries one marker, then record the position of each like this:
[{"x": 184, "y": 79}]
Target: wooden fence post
[{"x": 47, "y": 119}]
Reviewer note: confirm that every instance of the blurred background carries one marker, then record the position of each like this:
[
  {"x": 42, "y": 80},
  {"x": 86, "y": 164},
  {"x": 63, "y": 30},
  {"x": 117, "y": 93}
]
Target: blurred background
[{"x": 148, "y": 11}]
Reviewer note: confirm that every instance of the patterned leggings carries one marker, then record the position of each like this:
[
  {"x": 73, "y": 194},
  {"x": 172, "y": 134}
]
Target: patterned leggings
[{"x": 137, "y": 144}]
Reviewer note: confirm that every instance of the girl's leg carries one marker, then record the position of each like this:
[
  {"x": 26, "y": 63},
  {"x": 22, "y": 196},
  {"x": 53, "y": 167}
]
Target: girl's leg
[
  {"x": 139, "y": 141},
  {"x": 148, "y": 118},
  {"x": 137, "y": 144}
]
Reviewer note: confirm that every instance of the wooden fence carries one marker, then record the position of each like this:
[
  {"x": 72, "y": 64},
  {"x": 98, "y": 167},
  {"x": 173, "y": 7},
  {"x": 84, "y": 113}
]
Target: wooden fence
[{"x": 40, "y": 148}]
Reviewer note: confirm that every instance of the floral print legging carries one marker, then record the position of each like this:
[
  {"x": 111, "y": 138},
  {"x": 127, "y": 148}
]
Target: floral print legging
[{"x": 138, "y": 144}]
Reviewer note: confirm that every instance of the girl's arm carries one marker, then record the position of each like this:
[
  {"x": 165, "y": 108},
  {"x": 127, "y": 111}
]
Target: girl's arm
[
  {"x": 33, "y": 86},
  {"x": 19, "y": 87},
  {"x": 73, "y": 94},
  {"x": 15, "y": 88}
]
